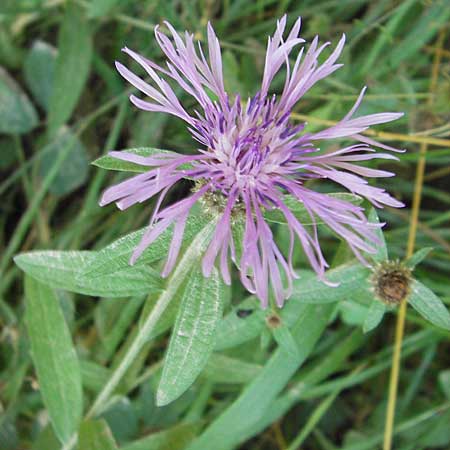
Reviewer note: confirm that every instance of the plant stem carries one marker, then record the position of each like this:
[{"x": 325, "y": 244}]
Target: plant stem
[
  {"x": 182, "y": 270},
  {"x": 400, "y": 325}
]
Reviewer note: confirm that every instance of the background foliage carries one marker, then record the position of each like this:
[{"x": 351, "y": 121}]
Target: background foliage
[{"x": 63, "y": 105}]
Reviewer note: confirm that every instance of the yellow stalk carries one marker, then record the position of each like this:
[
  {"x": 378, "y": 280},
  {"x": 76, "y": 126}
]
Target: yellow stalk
[{"x": 400, "y": 325}]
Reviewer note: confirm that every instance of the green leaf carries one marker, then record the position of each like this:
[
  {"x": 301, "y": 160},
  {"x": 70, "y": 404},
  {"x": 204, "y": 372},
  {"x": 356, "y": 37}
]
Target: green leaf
[
  {"x": 382, "y": 252},
  {"x": 421, "y": 31},
  {"x": 116, "y": 256},
  {"x": 285, "y": 340},
  {"x": 257, "y": 397},
  {"x": 374, "y": 315},
  {"x": 167, "y": 318},
  {"x": 231, "y": 74},
  {"x": 193, "y": 335},
  {"x": 39, "y": 68},
  {"x": 428, "y": 305},
  {"x": 72, "y": 66},
  {"x": 61, "y": 270},
  {"x": 122, "y": 418},
  {"x": 18, "y": 115},
  {"x": 309, "y": 289},
  {"x": 74, "y": 170},
  {"x": 223, "y": 369},
  {"x": 8, "y": 157},
  {"x": 299, "y": 210},
  {"x": 55, "y": 359},
  {"x": 444, "y": 382},
  {"x": 175, "y": 438},
  {"x": 352, "y": 312},
  {"x": 234, "y": 329},
  {"x": 94, "y": 375},
  {"x": 242, "y": 323},
  {"x": 99, "y": 8},
  {"x": 96, "y": 435},
  {"x": 111, "y": 163},
  {"x": 46, "y": 440},
  {"x": 418, "y": 257},
  {"x": 385, "y": 36}
]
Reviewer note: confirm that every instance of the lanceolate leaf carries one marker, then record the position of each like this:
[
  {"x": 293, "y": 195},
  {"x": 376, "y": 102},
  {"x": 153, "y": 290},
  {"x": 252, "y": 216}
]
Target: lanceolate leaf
[
  {"x": 116, "y": 256},
  {"x": 96, "y": 435},
  {"x": 251, "y": 405},
  {"x": 175, "y": 438},
  {"x": 54, "y": 357},
  {"x": 193, "y": 335},
  {"x": 169, "y": 315},
  {"x": 72, "y": 66},
  {"x": 241, "y": 324},
  {"x": 285, "y": 340},
  {"x": 374, "y": 316},
  {"x": 247, "y": 320},
  {"x": 428, "y": 305},
  {"x": 99, "y": 8},
  {"x": 382, "y": 253},
  {"x": 223, "y": 369},
  {"x": 309, "y": 289},
  {"x": 418, "y": 257},
  {"x": 61, "y": 270},
  {"x": 111, "y": 163}
]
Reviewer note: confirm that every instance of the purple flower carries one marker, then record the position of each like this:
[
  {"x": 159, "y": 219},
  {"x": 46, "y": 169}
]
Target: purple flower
[{"x": 250, "y": 156}]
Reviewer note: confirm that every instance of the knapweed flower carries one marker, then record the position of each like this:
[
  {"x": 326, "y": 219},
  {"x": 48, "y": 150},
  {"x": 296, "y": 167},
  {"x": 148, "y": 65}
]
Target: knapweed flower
[{"x": 250, "y": 156}]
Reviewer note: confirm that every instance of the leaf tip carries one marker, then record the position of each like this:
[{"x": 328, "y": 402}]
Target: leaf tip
[{"x": 162, "y": 398}]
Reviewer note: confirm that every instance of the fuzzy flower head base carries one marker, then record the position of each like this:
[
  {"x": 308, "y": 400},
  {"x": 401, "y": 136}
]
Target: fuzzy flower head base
[{"x": 252, "y": 154}]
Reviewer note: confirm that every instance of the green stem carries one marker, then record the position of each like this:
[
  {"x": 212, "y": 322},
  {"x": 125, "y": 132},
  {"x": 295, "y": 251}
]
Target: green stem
[{"x": 184, "y": 266}]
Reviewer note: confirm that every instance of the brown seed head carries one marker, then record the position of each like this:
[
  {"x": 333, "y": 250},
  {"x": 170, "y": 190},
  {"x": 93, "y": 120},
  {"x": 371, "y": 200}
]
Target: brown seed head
[{"x": 391, "y": 282}]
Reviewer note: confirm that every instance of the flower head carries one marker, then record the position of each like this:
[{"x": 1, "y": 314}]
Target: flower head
[
  {"x": 391, "y": 282},
  {"x": 251, "y": 154}
]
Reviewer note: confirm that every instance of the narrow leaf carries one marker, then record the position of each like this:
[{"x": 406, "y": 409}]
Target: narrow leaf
[
  {"x": 72, "y": 66},
  {"x": 418, "y": 257},
  {"x": 94, "y": 376},
  {"x": 444, "y": 382},
  {"x": 309, "y": 289},
  {"x": 61, "y": 270},
  {"x": 381, "y": 253},
  {"x": 374, "y": 316},
  {"x": 99, "y": 8},
  {"x": 256, "y": 398},
  {"x": 223, "y": 369},
  {"x": 192, "y": 339},
  {"x": 116, "y": 256},
  {"x": 111, "y": 163},
  {"x": 242, "y": 323},
  {"x": 167, "y": 318},
  {"x": 55, "y": 359},
  {"x": 428, "y": 305},
  {"x": 175, "y": 438},
  {"x": 285, "y": 340},
  {"x": 96, "y": 435}
]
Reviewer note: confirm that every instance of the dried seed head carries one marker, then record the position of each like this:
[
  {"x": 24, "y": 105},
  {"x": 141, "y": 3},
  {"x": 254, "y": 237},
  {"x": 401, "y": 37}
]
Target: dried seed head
[{"x": 391, "y": 282}]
